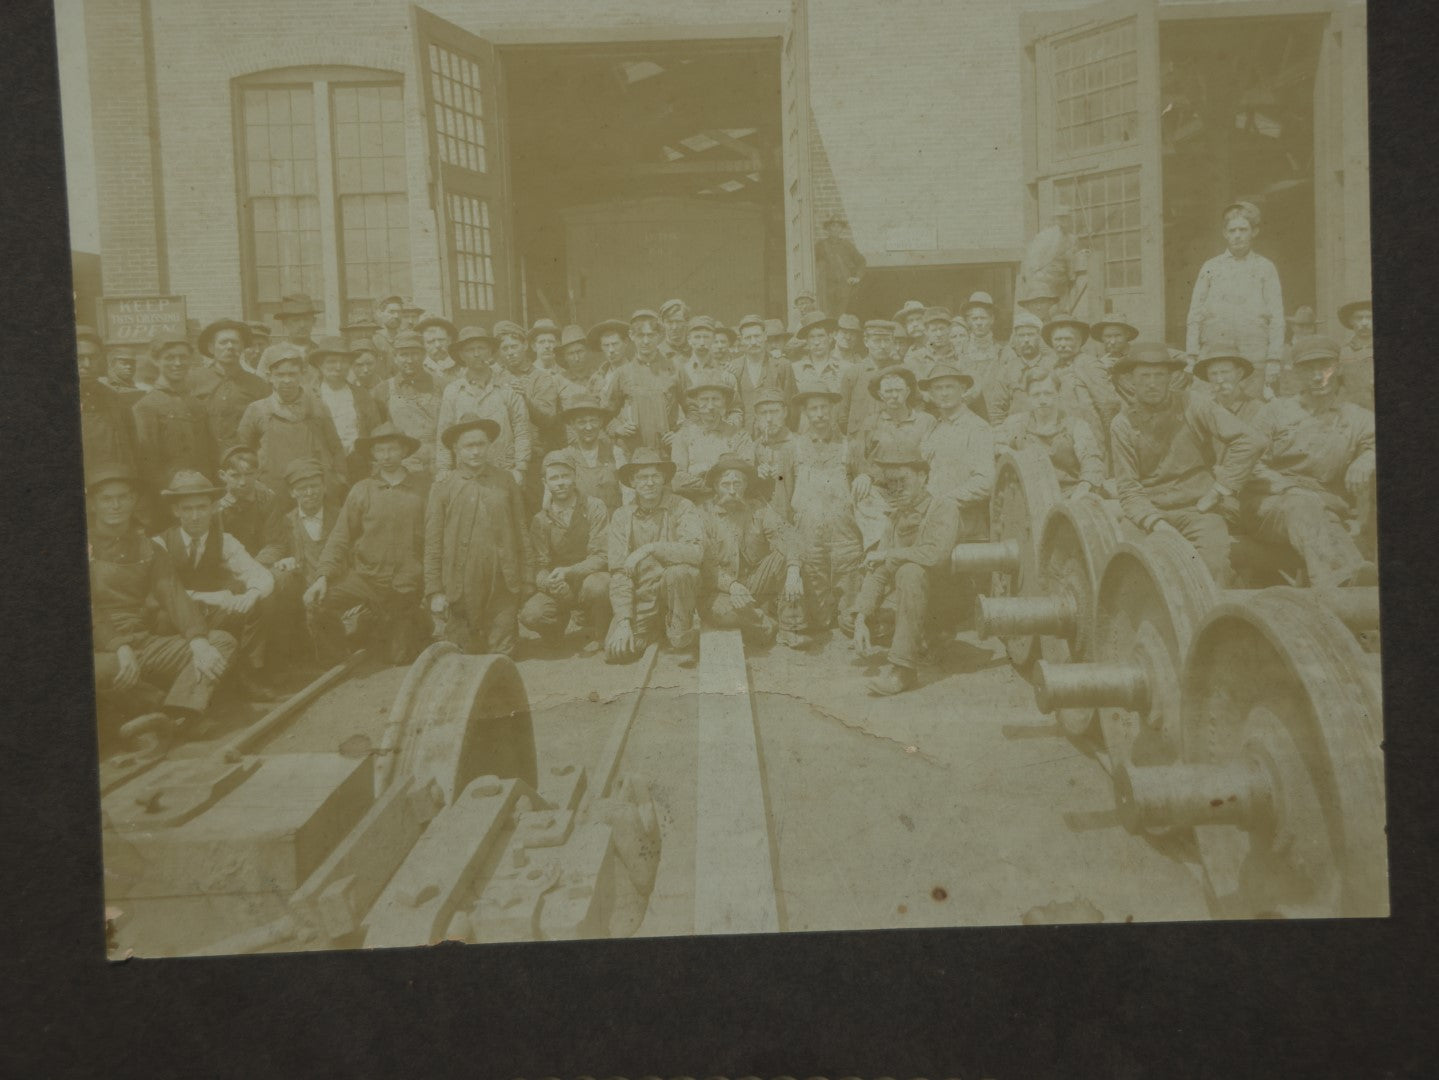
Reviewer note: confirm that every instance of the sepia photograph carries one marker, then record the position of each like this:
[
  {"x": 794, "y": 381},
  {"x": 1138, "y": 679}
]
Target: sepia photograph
[{"x": 643, "y": 468}]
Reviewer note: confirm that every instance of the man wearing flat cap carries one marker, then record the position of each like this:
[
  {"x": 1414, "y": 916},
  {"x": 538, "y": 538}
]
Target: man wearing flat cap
[
  {"x": 294, "y": 544},
  {"x": 1179, "y": 458},
  {"x": 107, "y": 426},
  {"x": 353, "y": 412},
  {"x": 1316, "y": 474},
  {"x": 644, "y": 397},
  {"x": 699, "y": 364},
  {"x": 938, "y": 347},
  {"x": 570, "y": 537},
  {"x": 544, "y": 342},
  {"x": 1026, "y": 352},
  {"x": 705, "y": 436},
  {"x": 479, "y": 563},
  {"x": 754, "y": 370},
  {"x": 856, "y": 403},
  {"x": 478, "y": 392},
  {"x": 290, "y": 423},
  {"x": 839, "y": 265},
  {"x": 655, "y": 548},
  {"x": 1237, "y": 304},
  {"x": 902, "y": 569},
  {"x": 172, "y": 429},
  {"x": 220, "y": 381},
  {"x": 751, "y": 578},
  {"x": 411, "y": 398},
  {"x": 130, "y": 579},
  {"x": 674, "y": 316},
  {"x": 1356, "y": 355}
]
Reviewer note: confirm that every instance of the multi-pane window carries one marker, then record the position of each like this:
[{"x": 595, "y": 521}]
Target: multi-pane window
[
  {"x": 369, "y": 132},
  {"x": 283, "y": 190},
  {"x": 1105, "y": 208},
  {"x": 323, "y": 189},
  {"x": 1096, "y": 86},
  {"x": 459, "y": 108},
  {"x": 474, "y": 260}
]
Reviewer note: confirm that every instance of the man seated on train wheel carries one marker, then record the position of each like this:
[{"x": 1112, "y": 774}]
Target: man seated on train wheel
[
  {"x": 1179, "y": 458},
  {"x": 1067, "y": 440},
  {"x": 130, "y": 579},
  {"x": 1226, "y": 375},
  {"x": 479, "y": 564},
  {"x": 751, "y": 579},
  {"x": 372, "y": 570},
  {"x": 901, "y": 570},
  {"x": 293, "y": 546},
  {"x": 656, "y": 544},
  {"x": 1318, "y": 463},
  {"x": 570, "y": 540}
]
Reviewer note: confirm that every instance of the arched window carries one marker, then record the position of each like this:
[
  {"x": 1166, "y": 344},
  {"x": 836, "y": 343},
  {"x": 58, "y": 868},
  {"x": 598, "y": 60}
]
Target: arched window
[{"x": 324, "y": 208}]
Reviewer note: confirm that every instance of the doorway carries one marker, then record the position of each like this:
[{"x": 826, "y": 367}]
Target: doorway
[
  {"x": 641, "y": 172},
  {"x": 1238, "y": 122}
]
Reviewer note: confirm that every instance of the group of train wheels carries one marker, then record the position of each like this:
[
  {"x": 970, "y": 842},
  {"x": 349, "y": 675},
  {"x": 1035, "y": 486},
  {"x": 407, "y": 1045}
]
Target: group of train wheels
[{"x": 1245, "y": 724}]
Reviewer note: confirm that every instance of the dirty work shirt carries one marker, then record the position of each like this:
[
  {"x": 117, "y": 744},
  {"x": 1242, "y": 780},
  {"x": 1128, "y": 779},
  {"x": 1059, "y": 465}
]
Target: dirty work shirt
[
  {"x": 696, "y": 449},
  {"x": 1237, "y": 305},
  {"x": 172, "y": 432},
  {"x": 281, "y": 433},
  {"x": 1068, "y": 441},
  {"x": 960, "y": 452},
  {"x": 648, "y": 396},
  {"x": 490, "y": 400},
  {"x": 127, "y": 573},
  {"x": 414, "y": 406},
  {"x": 674, "y": 525},
  {"x": 476, "y": 543},
  {"x": 885, "y": 436},
  {"x": 107, "y": 427},
  {"x": 1312, "y": 450},
  {"x": 575, "y": 538},
  {"x": 381, "y": 533},
  {"x": 225, "y": 395},
  {"x": 737, "y": 540}
]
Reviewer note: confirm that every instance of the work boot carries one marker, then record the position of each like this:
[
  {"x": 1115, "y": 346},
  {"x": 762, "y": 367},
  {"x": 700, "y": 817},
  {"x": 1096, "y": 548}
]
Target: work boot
[
  {"x": 763, "y": 632},
  {"x": 892, "y": 680},
  {"x": 792, "y": 639}
]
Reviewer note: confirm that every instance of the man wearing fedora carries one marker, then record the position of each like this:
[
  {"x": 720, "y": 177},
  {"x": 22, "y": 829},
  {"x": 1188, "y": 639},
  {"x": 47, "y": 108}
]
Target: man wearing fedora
[
  {"x": 1316, "y": 472},
  {"x": 172, "y": 429},
  {"x": 294, "y": 545},
  {"x": 818, "y": 367},
  {"x": 221, "y": 382},
  {"x": 479, "y": 564},
  {"x": 477, "y": 392},
  {"x": 959, "y": 449},
  {"x": 594, "y": 457},
  {"x": 896, "y": 428},
  {"x": 296, "y": 316},
  {"x": 1027, "y": 351},
  {"x": 223, "y": 579},
  {"x": 290, "y": 423},
  {"x": 839, "y": 264},
  {"x": 755, "y": 371},
  {"x": 699, "y": 364},
  {"x": 107, "y": 425},
  {"x": 752, "y": 564},
  {"x": 1356, "y": 355},
  {"x": 572, "y": 366},
  {"x": 1096, "y": 395},
  {"x": 855, "y": 401},
  {"x": 915, "y": 548},
  {"x": 1179, "y": 458},
  {"x": 570, "y": 538},
  {"x": 705, "y": 436},
  {"x": 609, "y": 340},
  {"x": 411, "y": 399},
  {"x": 644, "y": 397},
  {"x": 353, "y": 412},
  {"x": 1237, "y": 304},
  {"x": 437, "y": 335},
  {"x": 130, "y": 579},
  {"x": 909, "y": 320},
  {"x": 372, "y": 566},
  {"x": 1226, "y": 375},
  {"x": 655, "y": 547}
]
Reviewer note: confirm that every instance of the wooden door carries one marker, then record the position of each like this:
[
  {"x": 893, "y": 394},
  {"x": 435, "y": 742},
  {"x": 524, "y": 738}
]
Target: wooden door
[
  {"x": 1092, "y": 146},
  {"x": 462, "y": 101}
]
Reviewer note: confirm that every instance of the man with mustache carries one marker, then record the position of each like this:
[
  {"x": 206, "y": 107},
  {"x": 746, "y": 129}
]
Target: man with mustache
[
  {"x": 706, "y": 437},
  {"x": 221, "y": 382}
]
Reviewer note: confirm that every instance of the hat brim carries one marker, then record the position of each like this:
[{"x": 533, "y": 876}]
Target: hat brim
[
  {"x": 1201, "y": 367},
  {"x": 968, "y": 380},
  {"x": 610, "y": 326},
  {"x": 1096, "y": 330},
  {"x": 409, "y": 442},
  {"x": 728, "y": 391},
  {"x": 1127, "y": 364},
  {"x": 436, "y": 320},
  {"x": 917, "y": 464},
  {"x": 1348, "y": 311},
  {"x": 1047, "y": 332},
  {"x": 801, "y": 399},
  {"x": 211, "y": 492},
  {"x": 825, "y": 323},
  {"x": 897, "y": 370},
  {"x": 207, "y": 335},
  {"x": 626, "y": 472},
  {"x": 113, "y": 475},
  {"x": 751, "y": 474},
  {"x": 317, "y": 356},
  {"x": 584, "y": 410},
  {"x": 452, "y": 433}
]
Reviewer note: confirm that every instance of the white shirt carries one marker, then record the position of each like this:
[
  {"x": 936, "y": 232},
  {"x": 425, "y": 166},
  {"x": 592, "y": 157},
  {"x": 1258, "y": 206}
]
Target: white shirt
[
  {"x": 341, "y": 406},
  {"x": 313, "y": 524},
  {"x": 239, "y": 562}
]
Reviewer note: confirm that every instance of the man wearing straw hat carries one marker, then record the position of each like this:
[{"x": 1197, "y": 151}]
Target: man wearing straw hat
[
  {"x": 655, "y": 548},
  {"x": 477, "y": 392}
]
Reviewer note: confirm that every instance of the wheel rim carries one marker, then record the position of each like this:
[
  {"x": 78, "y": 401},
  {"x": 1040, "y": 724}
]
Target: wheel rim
[{"x": 1025, "y": 487}]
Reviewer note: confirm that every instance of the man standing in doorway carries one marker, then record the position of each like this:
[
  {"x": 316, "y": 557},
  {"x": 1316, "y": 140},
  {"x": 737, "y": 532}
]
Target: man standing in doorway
[{"x": 840, "y": 266}]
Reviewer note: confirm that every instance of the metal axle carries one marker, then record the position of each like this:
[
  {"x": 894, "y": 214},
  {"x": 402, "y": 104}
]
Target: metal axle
[
  {"x": 1006, "y": 616},
  {"x": 1235, "y": 793},
  {"x": 990, "y": 556},
  {"x": 1089, "y": 686}
]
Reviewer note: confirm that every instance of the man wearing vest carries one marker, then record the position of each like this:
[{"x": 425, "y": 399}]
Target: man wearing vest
[
  {"x": 570, "y": 538},
  {"x": 293, "y": 549},
  {"x": 226, "y": 583}
]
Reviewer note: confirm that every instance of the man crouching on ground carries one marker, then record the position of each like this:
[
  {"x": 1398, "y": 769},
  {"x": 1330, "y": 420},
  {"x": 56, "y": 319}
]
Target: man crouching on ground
[
  {"x": 656, "y": 544},
  {"x": 569, "y": 538},
  {"x": 752, "y": 560},
  {"x": 922, "y": 532},
  {"x": 479, "y": 565}
]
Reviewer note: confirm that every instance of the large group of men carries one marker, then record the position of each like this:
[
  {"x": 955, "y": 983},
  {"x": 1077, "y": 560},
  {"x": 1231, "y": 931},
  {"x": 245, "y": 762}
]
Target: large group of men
[{"x": 259, "y": 498}]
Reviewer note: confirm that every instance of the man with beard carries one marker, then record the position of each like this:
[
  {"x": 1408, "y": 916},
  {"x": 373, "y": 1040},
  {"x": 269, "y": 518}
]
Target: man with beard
[
  {"x": 1226, "y": 375},
  {"x": 172, "y": 429},
  {"x": 754, "y": 371},
  {"x": 479, "y": 565},
  {"x": 1066, "y": 336},
  {"x": 644, "y": 395},
  {"x": 570, "y": 539},
  {"x": 674, "y": 321},
  {"x": 706, "y": 436},
  {"x": 910, "y": 322},
  {"x": 1167, "y": 472},
  {"x": 290, "y": 424},
  {"x": 855, "y": 401},
  {"x": 107, "y": 426},
  {"x": 437, "y": 335},
  {"x": 655, "y": 547},
  {"x": 1025, "y": 353},
  {"x": 1356, "y": 356},
  {"x": 916, "y": 546},
  {"x": 751, "y": 570},
  {"x": 412, "y": 400},
  {"x": 479, "y": 393},
  {"x": 1318, "y": 463}
]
